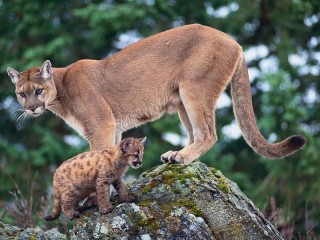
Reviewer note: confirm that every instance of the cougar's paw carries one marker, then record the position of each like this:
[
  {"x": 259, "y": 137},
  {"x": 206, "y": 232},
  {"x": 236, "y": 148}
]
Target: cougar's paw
[
  {"x": 105, "y": 210},
  {"x": 172, "y": 157},
  {"x": 176, "y": 157},
  {"x": 165, "y": 157}
]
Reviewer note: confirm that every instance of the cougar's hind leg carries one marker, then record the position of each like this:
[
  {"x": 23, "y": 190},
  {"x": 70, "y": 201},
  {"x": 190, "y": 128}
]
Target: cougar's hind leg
[
  {"x": 187, "y": 124},
  {"x": 200, "y": 111}
]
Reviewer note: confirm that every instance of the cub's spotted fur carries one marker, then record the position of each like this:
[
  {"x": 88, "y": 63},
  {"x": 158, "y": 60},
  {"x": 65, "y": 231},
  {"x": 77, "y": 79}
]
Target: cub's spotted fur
[{"x": 94, "y": 172}]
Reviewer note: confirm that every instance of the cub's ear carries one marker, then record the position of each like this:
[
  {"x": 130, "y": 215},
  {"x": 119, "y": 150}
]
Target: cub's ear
[
  {"x": 46, "y": 70},
  {"x": 125, "y": 144},
  {"x": 142, "y": 140},
  {"x": 14, "y": 75}
]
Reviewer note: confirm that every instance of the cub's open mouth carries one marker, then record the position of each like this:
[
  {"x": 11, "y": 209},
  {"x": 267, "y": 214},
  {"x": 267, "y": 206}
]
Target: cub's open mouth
[{"x": 136, "y": 164}]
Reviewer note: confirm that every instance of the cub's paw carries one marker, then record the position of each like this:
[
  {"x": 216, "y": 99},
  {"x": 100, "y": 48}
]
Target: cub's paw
[
  {"x": 50, "y": 218},
  {"x": 105, "y": 210},
  {"x": 172, "y": 157},
  {"x": 73, "y": 215},
  {"x": 127, "y": 198}
]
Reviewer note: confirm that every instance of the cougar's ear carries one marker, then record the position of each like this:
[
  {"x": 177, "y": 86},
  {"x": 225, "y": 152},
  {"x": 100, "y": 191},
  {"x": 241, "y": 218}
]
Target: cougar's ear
[
  {"x": 125, "y": 144},
  {"x": 46, "y": 70},
  {"x": 142, "y": 140},
  {"x": 14, "y": 75}
]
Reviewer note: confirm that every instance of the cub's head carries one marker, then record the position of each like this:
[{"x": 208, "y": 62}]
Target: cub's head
[
  {"x": 132, "y": 150},
  {"x": 35, "y": 88}
]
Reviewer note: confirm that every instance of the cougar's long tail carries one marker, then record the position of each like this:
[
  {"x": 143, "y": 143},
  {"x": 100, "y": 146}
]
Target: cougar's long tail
[
  {"x": 243, "y": 110},
  {"x": 56, "y": 207}
]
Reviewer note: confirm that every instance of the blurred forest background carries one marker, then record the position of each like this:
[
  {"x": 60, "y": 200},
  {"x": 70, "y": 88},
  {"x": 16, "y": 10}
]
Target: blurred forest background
[{"x": 281, "y": 41}]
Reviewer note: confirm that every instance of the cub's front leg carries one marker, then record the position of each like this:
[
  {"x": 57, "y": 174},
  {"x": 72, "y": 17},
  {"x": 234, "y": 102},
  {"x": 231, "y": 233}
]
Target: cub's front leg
[
  {"x": 103, "y": 195},
  {"x": 124, "y": 194}
]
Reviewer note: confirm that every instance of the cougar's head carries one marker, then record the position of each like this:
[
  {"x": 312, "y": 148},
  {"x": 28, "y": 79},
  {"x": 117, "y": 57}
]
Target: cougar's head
[
  {"x": 35, "y": 88},
  {"x": 132, "y": 149}
]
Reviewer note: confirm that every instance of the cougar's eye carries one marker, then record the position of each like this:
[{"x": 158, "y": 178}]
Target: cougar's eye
[
  {"x": 39, "y": 91},
  {"x": 22, "y": 94}
]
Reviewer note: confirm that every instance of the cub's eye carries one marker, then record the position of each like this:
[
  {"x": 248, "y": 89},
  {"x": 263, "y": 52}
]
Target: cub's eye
[
  {"x": 39, "y": 91},
  {"x": 22, "y": 94}
]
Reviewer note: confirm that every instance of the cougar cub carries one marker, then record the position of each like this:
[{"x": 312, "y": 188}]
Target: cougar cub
[{"x": 94, "y": 172}]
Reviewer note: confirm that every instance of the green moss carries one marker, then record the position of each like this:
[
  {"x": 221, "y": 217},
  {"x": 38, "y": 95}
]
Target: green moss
[
  {"x": 168, "y": 175},
  {"x": 223, "y": 186},
  {"x": 168, "y": 207},
  {"x": 145, "y": 203},
  {"x": 153, "y": 224},
  {"x": 150, "y": 222},
  {"x": 145, "y": 174},
  {"x": 140, "y": 222},
  {"x": 166, "y": 167},
  {"x": 217, "y": 175},
  {"x": 213, "y": 170},
  {"x": 151, "y": 185},
  {"x": 170, "y": 178},
  {"x": 176, "y": 191},
  {"x": 191, "y": 206}
]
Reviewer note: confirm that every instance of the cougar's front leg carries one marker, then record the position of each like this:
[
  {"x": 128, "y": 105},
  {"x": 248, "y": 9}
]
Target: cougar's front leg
[
  {"x": 118, "y": 136},
  {"x": 101, "y": 135},
  {"x": 96, "y": 121},
  {"x": 102, "y": 127}
]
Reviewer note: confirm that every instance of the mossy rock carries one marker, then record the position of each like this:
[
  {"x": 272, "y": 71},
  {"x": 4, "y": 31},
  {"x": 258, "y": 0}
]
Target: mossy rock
[
  {"x": 179, "y": 202},
  {"x": 12, "y": 232}
]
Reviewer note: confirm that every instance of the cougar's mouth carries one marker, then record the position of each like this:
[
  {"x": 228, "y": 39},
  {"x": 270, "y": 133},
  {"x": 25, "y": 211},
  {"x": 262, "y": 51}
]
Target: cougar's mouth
[{"x": 35, "y": 111}]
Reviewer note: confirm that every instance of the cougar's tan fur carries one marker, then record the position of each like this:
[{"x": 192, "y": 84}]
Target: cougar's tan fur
[{"x": 181, "y": 70}]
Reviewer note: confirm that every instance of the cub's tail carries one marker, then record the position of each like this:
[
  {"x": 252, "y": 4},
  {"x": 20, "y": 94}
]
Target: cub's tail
[
  {"x": 56, "y": 208},
  {"x": 243, "y": 110}
]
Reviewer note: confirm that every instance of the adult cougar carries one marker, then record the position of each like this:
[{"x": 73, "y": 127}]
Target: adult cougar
[{"x": 181, "y": 70}]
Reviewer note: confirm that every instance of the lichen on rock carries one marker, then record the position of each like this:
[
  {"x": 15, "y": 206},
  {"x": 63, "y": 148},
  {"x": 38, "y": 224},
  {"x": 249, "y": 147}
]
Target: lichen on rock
[
  {"x": 178, "y": 202},
  {"x": 12, "y": 232}
]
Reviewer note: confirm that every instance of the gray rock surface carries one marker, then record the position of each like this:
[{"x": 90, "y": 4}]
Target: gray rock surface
[
  {"x": 179, "y": 202},
  {"x": 12, "y": 232}
]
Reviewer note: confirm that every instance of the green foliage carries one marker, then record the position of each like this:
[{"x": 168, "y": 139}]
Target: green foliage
[{"x": 286, "y": 98}]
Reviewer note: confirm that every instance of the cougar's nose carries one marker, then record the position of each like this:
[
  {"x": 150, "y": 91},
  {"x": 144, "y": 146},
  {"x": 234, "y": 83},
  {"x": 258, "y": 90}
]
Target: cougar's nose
[{"x": 32, "y": 108}]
